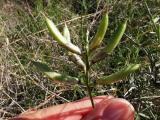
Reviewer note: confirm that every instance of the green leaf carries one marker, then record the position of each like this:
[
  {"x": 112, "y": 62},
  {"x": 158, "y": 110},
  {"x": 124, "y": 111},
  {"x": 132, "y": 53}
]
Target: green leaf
[
  {"x": 53, "y": 75},
  {"x": 118, "y": 76},
  {"x": 112, "y": 44},
  {"x": 43, "y": 67}
]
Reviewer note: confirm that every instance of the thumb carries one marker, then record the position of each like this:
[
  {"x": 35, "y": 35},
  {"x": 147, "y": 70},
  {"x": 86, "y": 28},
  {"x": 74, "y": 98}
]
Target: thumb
[{"x": 112, "y": 109}]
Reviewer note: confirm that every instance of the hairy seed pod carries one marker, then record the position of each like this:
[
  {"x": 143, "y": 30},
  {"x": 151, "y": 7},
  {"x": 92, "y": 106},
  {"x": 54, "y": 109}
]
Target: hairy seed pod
[
  {"x": 74, "y": 57},
  {"x": 60, "y": 38},
  {"x": 66, "y": 33},
  {"x": 118, "y": 76},
  {"x": 96, "y": 41},
  {"x": 116, "y": 38},
  {"x": 77, "y": 60}
]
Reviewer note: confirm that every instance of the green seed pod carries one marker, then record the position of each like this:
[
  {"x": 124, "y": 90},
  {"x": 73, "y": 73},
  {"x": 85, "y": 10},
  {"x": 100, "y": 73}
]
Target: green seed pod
[
  {"x": 118, "y": 76},
  {"x": 77, "y": 60},
  {"x": 96, "y": 41},
  {"x": 116, "y": 38},
  {"x": 66, "y": 33},
  {"x": 61, "y": 77},
  {"x": 60, "y": 38}
]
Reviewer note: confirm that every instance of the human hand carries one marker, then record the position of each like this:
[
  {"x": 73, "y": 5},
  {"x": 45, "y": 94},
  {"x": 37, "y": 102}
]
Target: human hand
[{"x": 106, "y": 108}]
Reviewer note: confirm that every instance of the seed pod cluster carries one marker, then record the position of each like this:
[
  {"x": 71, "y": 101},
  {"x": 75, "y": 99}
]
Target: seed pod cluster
[
  {"x": 73, "y": 57},
  {"x": 75, "y": 52}
]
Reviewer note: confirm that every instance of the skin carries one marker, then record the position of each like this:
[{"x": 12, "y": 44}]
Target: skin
[{"x": 106, "y": 108}]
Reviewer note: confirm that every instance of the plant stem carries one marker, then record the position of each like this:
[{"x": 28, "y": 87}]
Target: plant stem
[
  {"x": 90, "y": 95},
  {"x": 88, "y": 87},
  {"x": 87, "y": 80}
]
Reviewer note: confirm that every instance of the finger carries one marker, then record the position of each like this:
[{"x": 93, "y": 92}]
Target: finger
[
  {"x": 69, "y": 111},
  {"x": 112, "y": 109}
]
